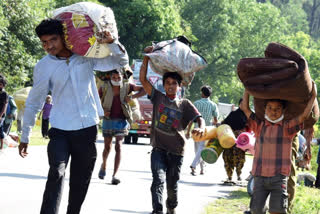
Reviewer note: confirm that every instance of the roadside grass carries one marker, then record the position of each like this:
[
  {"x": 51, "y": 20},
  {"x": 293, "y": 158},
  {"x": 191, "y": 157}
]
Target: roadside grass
[
  {"x": 307, "y": 200},
  {"x": 36, "y": 138},
  {"x": 236, "y": 203}
]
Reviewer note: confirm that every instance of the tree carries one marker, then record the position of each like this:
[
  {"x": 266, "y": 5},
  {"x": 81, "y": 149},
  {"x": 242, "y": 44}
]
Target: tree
[
  {"x": 19, "y": 47},
  {"x": 228, "y": 30},
  {"x": 312, "y": 8},
  {"x": 140, "y": 22}
]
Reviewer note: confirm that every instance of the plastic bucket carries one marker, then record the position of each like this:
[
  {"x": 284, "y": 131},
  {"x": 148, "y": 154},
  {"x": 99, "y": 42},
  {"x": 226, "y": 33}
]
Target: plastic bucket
[
  {"x": 226, "y": 136},
  {"x": 212, "y": 151}
]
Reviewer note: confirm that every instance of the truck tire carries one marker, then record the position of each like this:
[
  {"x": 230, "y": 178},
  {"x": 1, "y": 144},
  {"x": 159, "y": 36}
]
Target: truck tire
[
  {"x": 127, "y": 139},
  {"x": 134, "y": 138}
]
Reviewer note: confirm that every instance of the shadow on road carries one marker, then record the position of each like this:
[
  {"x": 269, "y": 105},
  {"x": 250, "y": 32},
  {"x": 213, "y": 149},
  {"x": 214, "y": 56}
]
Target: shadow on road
[
  {"x": 128, "y": 211},
  {"x": 18, "y": 175}
]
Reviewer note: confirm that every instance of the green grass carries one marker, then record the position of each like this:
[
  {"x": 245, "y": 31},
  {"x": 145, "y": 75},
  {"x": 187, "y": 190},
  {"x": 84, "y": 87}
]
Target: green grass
[
  {"x": 236, "y": 203},
  {"x": 36, "y": 138},
  {"x": 307, "y": 201}
]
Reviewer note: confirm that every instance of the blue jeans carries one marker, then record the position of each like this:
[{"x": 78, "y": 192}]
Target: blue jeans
[{"x": 165, "y": 166}]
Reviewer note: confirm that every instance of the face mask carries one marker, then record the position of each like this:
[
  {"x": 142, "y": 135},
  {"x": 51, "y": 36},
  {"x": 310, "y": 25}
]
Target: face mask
[
  {"x": 274, "y": 121},
  {"x": 116, "y": 83}
]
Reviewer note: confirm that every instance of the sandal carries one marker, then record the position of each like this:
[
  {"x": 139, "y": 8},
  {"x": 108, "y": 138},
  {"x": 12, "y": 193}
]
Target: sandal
[
  {"x": 115, "y": 181},
  {"x": 102, "y": 173}
]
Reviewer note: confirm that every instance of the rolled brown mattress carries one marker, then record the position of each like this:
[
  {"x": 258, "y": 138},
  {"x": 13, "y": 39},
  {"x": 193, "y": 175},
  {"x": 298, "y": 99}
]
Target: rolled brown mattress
[{"x": 282, "y": 74}]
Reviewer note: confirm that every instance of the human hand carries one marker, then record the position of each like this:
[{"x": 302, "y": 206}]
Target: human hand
[
  {"x": 23, "y": 149},
  {"x": 314, "y": 88},
  {"x": 148, "y": 49},
  {"x": 308, "y": 154},
  {"x": 105, "y": 37},
  {"x": 198, "y": 132},
  {"x": 128, "y": 99},
  {"x": 107, "y": 114}
]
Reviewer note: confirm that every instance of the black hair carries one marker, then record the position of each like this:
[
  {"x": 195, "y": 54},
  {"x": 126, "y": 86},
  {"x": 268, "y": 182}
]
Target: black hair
[
  {"x": 206, "y": 90},
  {"x": 49, "y": 27},
  {"x": 184, "y": 40},
  {"x": 115, "y": 71},
  {"x": 173, "y": 75},
  {"x": 240, "y": 101},
  {"x": 3, "y": 80},
  {"x": 282, "y": 102}
]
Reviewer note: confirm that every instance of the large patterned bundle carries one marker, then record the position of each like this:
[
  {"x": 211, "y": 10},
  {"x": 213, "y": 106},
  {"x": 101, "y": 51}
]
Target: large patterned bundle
[
  {"x": 176, "y": 56},
  {"x": 81, "y": 23},
  {"x": 282, "y": 74}
]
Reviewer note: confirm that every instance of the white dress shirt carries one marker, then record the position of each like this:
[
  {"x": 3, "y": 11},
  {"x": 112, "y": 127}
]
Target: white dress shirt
[{"x": 73, "y": 88}]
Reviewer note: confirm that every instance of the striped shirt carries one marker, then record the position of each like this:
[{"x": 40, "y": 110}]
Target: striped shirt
[
  {"x": 208, "y": 109},
  {"x": 273, "y": 146}
]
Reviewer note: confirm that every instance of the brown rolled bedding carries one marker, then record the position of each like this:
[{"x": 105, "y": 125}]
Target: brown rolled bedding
[{"x": 282, "y": 74}]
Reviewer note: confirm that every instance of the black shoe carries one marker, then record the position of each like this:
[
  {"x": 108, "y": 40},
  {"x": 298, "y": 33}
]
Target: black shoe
[
  {"x": 171, "y": 211},
  {"x": 246, "y": 212},
  {"x": 156, "y": 212},
  {"x": 115, "y": 181}
]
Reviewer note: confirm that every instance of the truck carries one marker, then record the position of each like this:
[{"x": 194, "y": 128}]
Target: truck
[{"x": 142, "y": 128}]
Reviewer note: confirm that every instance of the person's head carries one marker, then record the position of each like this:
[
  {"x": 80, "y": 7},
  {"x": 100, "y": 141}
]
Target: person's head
[
  {"x": 50, "y": 32},
  {"x": 206, "y": 91},
  {"x": 274, "y": 108},
  {"x": 171, "y": 82},
  {"x": 116, "y": 78},
  {"x": 3, "y": 82},
  {"x": 104, "y": 76},
  {"x": 48, "y": 99}
]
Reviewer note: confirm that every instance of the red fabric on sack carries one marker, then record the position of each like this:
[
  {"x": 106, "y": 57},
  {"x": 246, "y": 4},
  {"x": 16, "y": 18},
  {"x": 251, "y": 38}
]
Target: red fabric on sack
[{"x": 79, "y": 32}]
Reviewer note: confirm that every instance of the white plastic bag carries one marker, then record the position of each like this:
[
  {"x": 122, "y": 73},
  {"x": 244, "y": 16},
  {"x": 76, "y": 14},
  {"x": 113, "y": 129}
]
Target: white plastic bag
[
  {"x": 81, "y": 22},
  {"x": 175, "y": 56}
]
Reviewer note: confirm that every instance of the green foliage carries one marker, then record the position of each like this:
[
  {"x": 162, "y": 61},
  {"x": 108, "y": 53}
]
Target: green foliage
[
  {"x": 228, "y": 30},
  {"x": 63, "y": 3},
  {"x": 140, "y": 22},
  {"x": 18, "y": 46}
]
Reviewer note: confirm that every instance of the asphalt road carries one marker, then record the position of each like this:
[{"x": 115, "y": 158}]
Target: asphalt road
[{"x": 22, "y": 182}]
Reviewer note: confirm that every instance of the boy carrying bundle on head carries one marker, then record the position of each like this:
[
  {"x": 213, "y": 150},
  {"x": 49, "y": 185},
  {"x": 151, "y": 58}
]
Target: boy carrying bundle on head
[
  {"x": 271, "y": 164},
  {"x": 171, "y": 116}
]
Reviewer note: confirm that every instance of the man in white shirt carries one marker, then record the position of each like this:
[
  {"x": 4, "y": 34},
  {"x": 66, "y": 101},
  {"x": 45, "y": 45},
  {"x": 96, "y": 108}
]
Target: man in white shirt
[{"x": 74, "y": 115}]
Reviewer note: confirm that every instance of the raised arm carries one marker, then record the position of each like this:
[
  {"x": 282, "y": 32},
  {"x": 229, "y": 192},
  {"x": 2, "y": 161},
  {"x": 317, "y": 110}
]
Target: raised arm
[
  {"x": 244, "y": 105},
  {"x": 143, "y": 76},
  {"x": 309, "y": 106},
  {"x": 141, "y": 92}
]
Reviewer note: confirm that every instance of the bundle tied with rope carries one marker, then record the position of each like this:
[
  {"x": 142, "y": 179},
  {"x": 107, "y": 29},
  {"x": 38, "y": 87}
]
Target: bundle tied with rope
[
  {"x": 282, "y": 74},
  {"x": 176, "y": 55}
]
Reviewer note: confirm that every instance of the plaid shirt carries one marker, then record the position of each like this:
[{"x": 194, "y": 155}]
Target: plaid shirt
[{"x": 273, "y": 146}]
